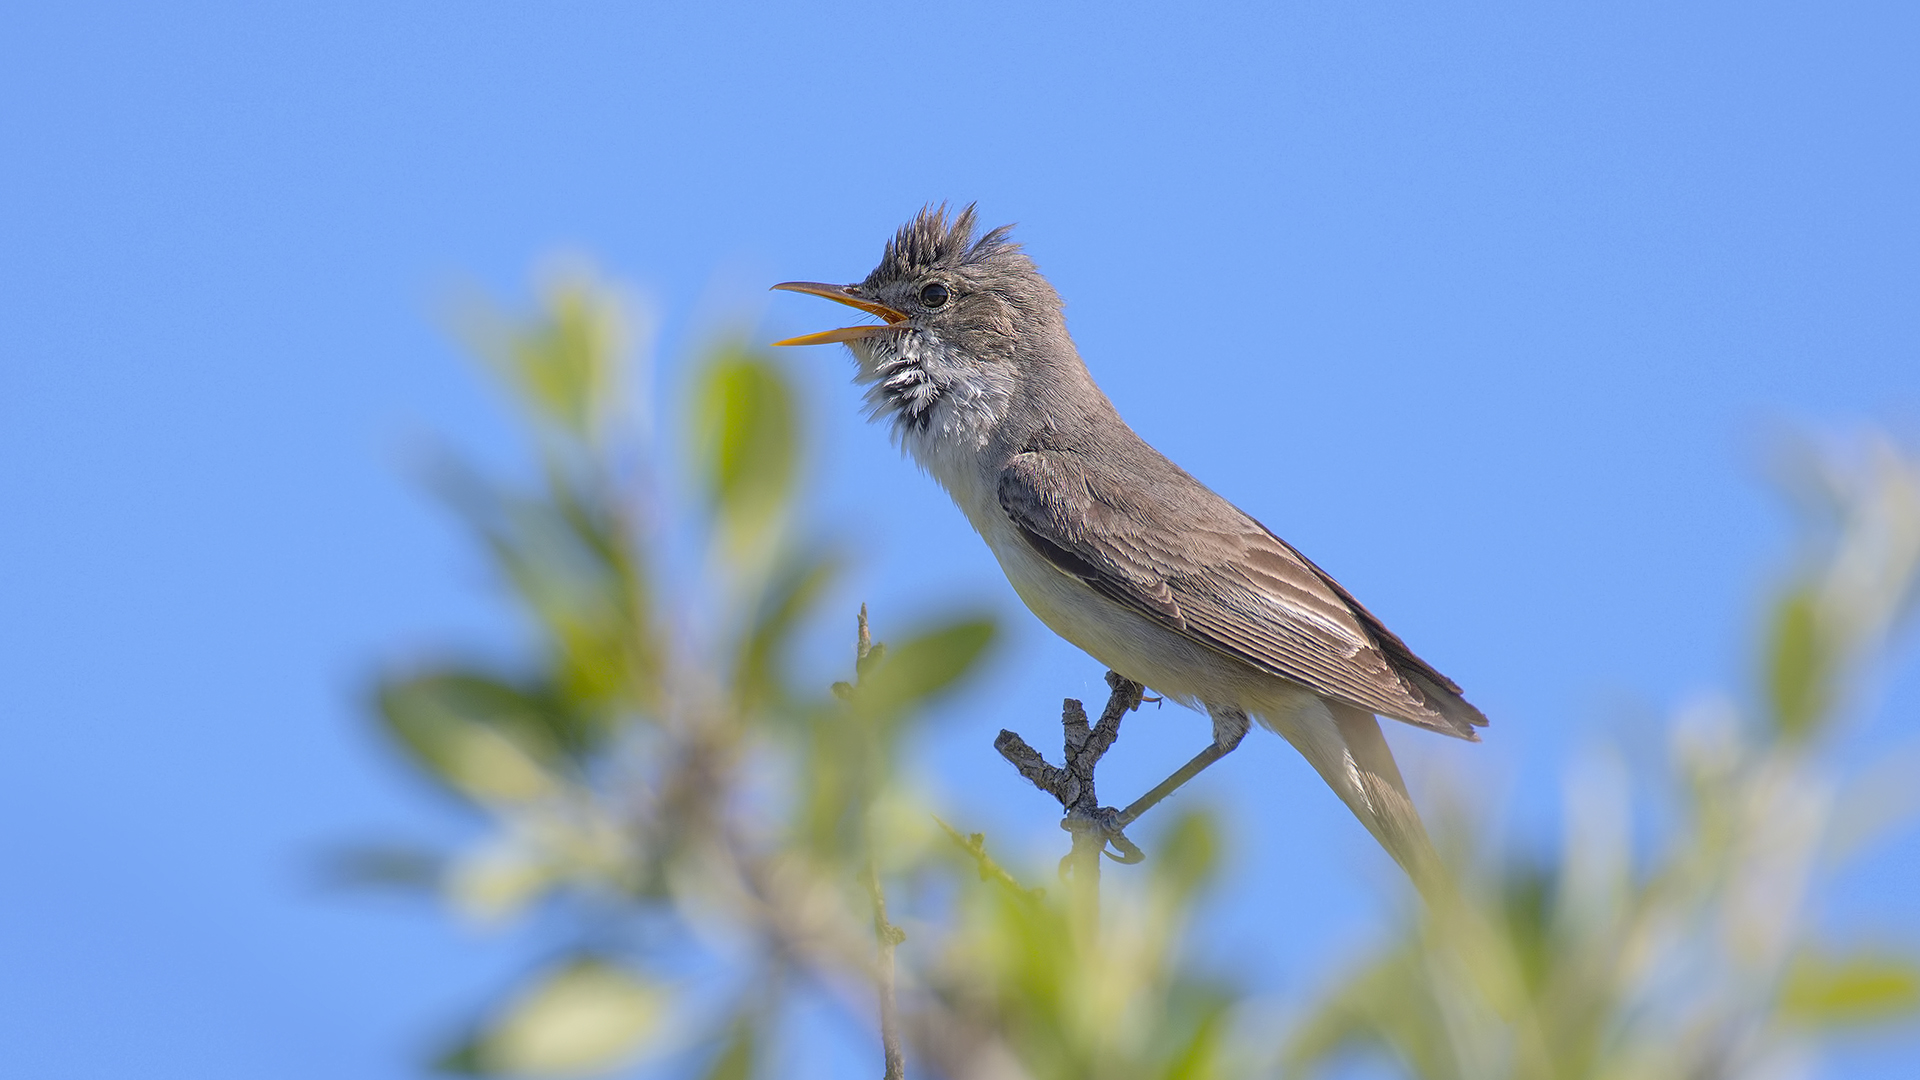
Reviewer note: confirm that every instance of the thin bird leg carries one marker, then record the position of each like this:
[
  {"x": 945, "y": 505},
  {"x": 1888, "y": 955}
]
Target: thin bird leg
[{"x": 1229, "y": 727}]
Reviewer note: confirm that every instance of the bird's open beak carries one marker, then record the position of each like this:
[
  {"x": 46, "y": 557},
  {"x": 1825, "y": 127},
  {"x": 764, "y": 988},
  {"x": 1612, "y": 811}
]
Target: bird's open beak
[{"x": 850, "y": 296}]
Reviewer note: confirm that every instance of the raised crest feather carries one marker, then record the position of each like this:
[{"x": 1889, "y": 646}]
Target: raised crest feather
[{"x": 932, "y": 240}]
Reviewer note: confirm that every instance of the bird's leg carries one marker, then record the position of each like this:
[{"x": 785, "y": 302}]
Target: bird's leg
[{"x": 1229, "y": 727}]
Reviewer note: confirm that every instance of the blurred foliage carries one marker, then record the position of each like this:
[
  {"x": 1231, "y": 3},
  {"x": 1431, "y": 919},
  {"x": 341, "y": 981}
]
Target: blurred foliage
[
  {"x": 1023, "y": 971},
  {"x": 1695, "y": 955},
  {"x": 705, "y": 827}
]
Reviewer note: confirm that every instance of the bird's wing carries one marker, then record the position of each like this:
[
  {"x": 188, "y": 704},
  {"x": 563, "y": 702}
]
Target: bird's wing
[{"x": 1228, "y": 583}]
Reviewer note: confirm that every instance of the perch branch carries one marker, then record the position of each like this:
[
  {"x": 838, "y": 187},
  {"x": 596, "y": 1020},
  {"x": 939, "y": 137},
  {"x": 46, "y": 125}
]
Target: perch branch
[{"x": 1095, "y": 828}]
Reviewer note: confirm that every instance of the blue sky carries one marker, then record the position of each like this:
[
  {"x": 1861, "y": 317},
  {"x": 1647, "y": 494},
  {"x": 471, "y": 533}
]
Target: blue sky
[{"x": 1487, "y": 309}]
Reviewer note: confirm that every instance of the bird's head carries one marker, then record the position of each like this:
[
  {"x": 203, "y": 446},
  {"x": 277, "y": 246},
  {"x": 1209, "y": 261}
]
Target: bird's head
[{"x": 960, "y": 321}]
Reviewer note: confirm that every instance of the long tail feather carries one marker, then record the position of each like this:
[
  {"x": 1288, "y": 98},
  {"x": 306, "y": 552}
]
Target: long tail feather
[
  {"x": 1345, "y": 746},
  {"x": 1383, "y": 804}
]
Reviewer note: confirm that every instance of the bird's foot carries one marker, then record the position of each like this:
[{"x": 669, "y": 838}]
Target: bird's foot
[{"x": 1101, "y": 826}]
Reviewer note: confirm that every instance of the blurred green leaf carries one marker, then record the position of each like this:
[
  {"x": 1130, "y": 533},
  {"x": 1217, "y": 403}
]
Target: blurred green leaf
[
  {"x": 791, "y": 594},
  {"x": 568, "y": 554},
  {"x": 735, "y": 1060},
  {"x": 388, "y": 866},
  {"x": 587, "y": 1017},
  {"x": 1527, "y": 906},
  {"x": 1862, "y": 988},
  {"x": 747, "y": 438},
  {"x": 497, "y": 881},
  {"x": 849, "y": 751},
  {"x": 1799, "y": 664},
  {"x": 1200, "y": 1056},
  {"x": 1187, "y": 852},
  {"x": 606, "y": 637},
  {"x": 924, "y": 665},
  {"x": 480, "y": 736},
  {"x": 566, "y": 363},
  {"x": 1382, "y": 999}
]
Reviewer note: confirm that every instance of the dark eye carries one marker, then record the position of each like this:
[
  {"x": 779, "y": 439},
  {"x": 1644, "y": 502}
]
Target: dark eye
[{"x": 934, "y": 295}]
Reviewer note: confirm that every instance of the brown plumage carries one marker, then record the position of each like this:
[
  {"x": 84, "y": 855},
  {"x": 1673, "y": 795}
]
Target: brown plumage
[{"x": 1116, "y": 548}]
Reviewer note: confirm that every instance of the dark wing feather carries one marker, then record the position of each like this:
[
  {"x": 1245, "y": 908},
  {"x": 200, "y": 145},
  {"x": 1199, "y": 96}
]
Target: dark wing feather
[{"x": 1231, "y": 584}]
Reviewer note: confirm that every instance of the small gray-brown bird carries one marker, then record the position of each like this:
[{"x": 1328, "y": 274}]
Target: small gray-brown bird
[{"x": 1116, "y": 548}]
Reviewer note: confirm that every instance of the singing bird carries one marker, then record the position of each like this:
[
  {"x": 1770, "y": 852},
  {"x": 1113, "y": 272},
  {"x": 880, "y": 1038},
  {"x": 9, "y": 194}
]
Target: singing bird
[{"x": 1114, "y": 547}]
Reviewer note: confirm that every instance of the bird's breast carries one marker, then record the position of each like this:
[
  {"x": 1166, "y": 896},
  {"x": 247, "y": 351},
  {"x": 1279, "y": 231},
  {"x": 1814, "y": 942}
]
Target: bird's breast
[{"x": 974, "y": 485}]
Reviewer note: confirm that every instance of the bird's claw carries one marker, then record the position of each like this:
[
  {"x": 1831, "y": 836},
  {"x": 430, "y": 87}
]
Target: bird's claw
[{"x": 1104, "y": 825}]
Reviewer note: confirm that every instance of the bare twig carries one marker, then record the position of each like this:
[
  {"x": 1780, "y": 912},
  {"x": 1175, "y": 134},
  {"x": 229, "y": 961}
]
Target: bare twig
[
  {"x": 890, "y": 938},
  {"x": 865, "y": 656},
  {"x": 1093, "y": 826},
  {"x": 976, "y": 846},
  {"x": 888, "y": 935}
]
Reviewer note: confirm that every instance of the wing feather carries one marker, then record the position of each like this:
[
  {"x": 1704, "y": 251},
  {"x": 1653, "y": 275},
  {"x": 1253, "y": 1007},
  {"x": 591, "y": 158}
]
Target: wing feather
[{"x": 1227, "y": 582}]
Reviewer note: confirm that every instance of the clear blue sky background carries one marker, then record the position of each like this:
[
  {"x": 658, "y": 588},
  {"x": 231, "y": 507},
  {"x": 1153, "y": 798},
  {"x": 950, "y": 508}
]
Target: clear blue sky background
[{"x": 1485, "y": 308}]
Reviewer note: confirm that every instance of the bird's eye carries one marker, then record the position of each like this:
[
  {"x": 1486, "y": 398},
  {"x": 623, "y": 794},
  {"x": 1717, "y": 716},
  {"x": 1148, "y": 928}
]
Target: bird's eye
[{"x": 934, "y": 295}]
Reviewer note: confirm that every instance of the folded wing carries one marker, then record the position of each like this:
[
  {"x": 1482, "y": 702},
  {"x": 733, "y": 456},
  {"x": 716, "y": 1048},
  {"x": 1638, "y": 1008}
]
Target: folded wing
[{"x": 1209, "y": 571}]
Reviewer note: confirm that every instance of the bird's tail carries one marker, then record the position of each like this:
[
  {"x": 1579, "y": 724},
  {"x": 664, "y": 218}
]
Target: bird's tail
[{"x": 1353, "y": 757}]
